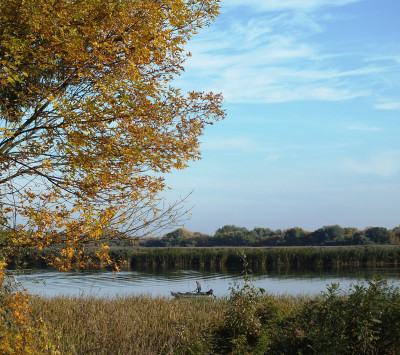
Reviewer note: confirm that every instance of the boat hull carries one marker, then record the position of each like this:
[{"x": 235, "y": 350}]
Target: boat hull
[{"x": 192, "y": 294}]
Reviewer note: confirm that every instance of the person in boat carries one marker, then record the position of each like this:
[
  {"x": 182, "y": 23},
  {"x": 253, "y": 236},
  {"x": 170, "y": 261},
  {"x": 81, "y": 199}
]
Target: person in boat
[{"x": 198, "y": 288}]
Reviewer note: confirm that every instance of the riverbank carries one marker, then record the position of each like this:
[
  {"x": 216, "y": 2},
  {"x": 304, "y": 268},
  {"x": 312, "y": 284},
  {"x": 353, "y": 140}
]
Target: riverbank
[
  {"x": 364, "y": 320},
  {"x": 230, "y": 257}
]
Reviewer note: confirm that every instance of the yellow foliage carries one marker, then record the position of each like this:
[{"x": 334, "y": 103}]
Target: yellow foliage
[
  {"x": 89, "y": 119},
  {"x": 18, "y": 335}
]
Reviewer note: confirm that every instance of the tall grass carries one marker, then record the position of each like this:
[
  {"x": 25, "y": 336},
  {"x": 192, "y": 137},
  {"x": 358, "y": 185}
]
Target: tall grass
[
  {"x": 126, "y": 325},
  {"x": 365, "y": 320}
]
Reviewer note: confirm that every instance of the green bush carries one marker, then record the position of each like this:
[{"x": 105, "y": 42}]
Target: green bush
[
  {"x": 365, "y": 320},
  {"x": 362, "y": 320},
  {"x": 241, "y": 329}
]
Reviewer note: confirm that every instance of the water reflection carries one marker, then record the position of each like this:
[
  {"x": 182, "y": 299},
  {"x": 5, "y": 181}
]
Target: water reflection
[{"x": 159, "y": 282}]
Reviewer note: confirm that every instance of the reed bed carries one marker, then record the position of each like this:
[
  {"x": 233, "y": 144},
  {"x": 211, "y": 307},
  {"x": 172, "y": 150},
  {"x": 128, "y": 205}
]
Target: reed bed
[
  {"x": 230, "y": 257},
  {"x": 261, "y": 257},
  {"x": 126, "y": 325}
]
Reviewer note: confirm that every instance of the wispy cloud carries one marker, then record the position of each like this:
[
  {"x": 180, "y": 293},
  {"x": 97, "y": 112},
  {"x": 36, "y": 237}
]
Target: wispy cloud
[
  {"x": 272, "y": 58},
  {"x": 388, "y": 106},
  {"x": 265, "y": 151},
  {"x": 384, "y": 164},
  {"x": 249, "y": 81},
  {"x": 276, "y": 5},
  {"x": 234, "y": 143},
  {"x": 363, "y": 127},
  {"x": 391, "y": 58}
]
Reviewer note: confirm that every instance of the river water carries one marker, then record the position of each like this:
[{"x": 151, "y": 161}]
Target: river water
[{"x": 101, "y": 283}]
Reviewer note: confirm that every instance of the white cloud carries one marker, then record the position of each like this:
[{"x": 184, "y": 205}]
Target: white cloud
[
  {"x": 227, "y": 144},
  {"x": 388, "y": 106},
  {"x": 264, "y": 151},
  {"x": 363, "y": 127},
  {"x": 271, "y": 60},
  {"x": 388, "y": 58},
  {"x": 274, "y": 84},
  {"x": 280, "y": 72},
  {"x": 385, "y": 165},
  {"x": 274, "y": 58},
  {"x": 277, "y": 5}
]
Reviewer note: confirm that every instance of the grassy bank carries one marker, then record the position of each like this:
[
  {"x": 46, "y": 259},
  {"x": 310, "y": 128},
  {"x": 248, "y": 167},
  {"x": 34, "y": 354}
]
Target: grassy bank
[{"x": 366, "y": 320}]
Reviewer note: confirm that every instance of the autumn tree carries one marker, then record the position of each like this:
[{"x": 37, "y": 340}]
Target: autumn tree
[
  {"x": 395, "y": 235},
  {"x": 90, "y": 121}
]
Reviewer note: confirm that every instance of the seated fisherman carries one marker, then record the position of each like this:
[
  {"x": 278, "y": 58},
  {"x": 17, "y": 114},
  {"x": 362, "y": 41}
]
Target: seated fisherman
[{"x": 198, "y": 288}]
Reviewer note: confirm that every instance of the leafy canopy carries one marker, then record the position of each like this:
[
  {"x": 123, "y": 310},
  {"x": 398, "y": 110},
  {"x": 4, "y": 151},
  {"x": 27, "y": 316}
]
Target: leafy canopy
[{"x": 89, "y": 120}]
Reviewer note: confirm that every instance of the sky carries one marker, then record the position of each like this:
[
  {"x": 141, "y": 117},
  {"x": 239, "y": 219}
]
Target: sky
[{"x": 311, "y": 137}]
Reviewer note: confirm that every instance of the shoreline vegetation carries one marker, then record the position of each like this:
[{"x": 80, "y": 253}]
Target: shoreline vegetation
[
  {"x": 131, "y": 257},
  {"x": 363, "y": 320},
  {"x": 265, "y": 248}
]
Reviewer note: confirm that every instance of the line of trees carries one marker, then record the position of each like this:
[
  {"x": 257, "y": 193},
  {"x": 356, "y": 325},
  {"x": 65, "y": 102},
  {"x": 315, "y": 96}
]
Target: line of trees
[{"x": 231, "y": 235}]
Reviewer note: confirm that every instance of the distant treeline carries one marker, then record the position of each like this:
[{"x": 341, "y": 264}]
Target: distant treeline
[
  {"x": 231, "y": 235},
  {"x": 263, "y": 247}
]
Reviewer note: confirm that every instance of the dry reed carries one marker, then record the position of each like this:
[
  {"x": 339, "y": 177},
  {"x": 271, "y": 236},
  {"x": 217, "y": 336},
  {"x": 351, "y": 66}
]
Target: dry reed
[{"x": 126, "y": 325}]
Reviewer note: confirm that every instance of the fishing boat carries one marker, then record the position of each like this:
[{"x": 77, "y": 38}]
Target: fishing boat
[{"x": 209, "y": 293}]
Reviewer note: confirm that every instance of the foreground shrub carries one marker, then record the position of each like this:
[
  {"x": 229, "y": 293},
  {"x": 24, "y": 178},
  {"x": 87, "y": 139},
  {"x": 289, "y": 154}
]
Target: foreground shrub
[
  {"x": 364, "y": 320},
  {"x": 241, "y": 328},
  {"x": 19, "y": 334}
]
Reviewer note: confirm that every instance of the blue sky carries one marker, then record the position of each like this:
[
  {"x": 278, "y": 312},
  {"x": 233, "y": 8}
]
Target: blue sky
[{"x": 311, "y": 138}]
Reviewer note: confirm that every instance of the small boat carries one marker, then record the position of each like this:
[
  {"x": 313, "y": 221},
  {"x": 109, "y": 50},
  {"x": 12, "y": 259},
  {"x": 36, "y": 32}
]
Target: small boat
[{"x": 209, "y": 293}]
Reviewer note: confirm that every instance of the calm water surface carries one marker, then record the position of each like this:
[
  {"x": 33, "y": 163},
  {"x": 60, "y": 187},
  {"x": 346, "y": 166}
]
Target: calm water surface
[{"x": 161, "y": 282}]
